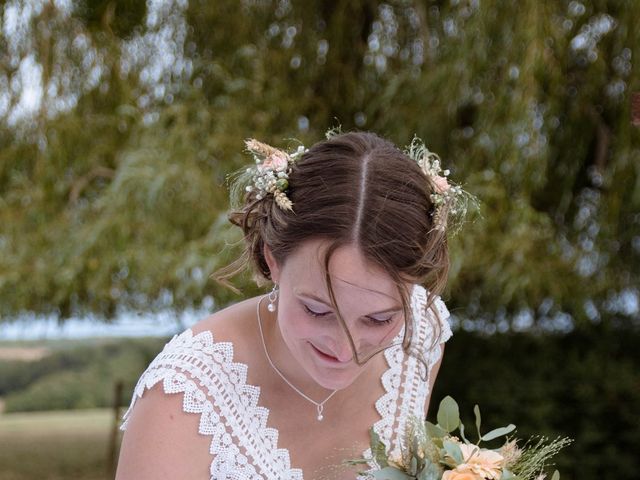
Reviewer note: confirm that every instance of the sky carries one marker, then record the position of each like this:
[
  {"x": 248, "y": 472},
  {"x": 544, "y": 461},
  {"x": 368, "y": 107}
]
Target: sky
[{"x": 128, "y": 324}]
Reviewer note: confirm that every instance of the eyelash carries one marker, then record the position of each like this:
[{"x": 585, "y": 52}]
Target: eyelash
[
  {"x": 315, "y": 314},
  {"x": 370, "y": 320}
]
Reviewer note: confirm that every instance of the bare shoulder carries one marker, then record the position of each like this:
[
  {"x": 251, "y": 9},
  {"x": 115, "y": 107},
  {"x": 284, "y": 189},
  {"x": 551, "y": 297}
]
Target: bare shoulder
[
  {"x": 161, "y": 441},
  {"x": 235, "y": 323}
]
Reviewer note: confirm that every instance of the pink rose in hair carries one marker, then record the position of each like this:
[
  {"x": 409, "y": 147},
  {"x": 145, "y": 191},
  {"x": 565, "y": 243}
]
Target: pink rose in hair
[
  {"x": 441, "y": 183},
  {"x": 278, "y": 161}
]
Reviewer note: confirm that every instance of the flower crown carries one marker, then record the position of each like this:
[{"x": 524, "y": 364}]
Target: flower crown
[{"x": 270, "y": 176}]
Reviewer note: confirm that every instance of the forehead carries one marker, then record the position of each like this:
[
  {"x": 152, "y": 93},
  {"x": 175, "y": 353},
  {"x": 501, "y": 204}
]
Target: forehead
[{"x": 351, "y": 273}]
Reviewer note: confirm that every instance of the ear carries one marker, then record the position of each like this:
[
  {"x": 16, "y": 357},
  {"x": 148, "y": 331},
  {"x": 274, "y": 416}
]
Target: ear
[{"x": 272, "y": 263}]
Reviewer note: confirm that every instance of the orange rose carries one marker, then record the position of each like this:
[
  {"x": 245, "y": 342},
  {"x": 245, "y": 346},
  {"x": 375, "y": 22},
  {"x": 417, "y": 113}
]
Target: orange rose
[
  {"x": 486, "y": 464},
  {"x": 460, "y": 475}
]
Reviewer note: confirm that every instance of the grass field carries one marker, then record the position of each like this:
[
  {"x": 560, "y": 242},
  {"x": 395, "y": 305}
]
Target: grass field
[
  {"x": 55, "y": 445},
  {"x": 58, "y": 343}
]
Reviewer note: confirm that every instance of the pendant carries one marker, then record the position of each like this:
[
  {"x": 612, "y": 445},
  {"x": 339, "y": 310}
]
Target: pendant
[{"x": 320, "y": 409}]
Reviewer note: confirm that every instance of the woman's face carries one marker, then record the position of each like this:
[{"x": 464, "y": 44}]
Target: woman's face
[{"x": 368, "y": 300}]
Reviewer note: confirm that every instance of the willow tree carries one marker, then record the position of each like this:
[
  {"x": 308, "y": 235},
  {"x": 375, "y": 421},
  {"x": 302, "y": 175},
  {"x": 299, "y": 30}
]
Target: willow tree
[{"x": 113, "y": 188}]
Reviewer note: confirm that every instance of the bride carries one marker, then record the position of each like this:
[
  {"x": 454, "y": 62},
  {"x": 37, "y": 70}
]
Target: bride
[{"x": 351, "y": 234}]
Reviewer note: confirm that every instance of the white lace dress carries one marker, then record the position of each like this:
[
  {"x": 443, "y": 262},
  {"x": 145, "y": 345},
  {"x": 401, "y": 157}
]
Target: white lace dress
[{"x": 242, "y": 446}]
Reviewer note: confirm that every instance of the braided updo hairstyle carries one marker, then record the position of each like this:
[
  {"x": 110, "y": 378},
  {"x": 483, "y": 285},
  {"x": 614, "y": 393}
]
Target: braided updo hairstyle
[{"x": 352, "y": 189}]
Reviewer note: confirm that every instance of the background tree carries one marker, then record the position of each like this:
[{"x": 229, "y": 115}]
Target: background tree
[{"x": 120, "y": 121}]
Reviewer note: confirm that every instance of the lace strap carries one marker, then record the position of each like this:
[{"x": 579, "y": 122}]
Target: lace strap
[
  {"x": 405, "y": 389},
  {"x": 432, "y": 330},
  {"x": 215, "y": 387}
]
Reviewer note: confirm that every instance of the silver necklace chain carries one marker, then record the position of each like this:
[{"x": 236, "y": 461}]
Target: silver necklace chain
[{"x": 319, "y": 406}]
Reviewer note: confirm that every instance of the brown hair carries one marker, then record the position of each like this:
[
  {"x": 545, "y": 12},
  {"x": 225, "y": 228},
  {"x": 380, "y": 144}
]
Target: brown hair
[{"x": 352, "y": 189}]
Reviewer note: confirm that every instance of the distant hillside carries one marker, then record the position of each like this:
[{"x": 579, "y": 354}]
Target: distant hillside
[{"x": 71, "y": 374}]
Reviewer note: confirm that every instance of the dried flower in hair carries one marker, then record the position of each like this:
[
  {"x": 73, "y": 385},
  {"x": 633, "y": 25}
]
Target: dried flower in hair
[
  {"x": 451, "y": 202},
  {"x": 270, "y": 175}
]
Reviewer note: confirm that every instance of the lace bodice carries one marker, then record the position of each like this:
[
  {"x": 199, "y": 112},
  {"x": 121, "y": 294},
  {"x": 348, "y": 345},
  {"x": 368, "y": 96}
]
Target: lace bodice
[{"x": 242, "y": 446}]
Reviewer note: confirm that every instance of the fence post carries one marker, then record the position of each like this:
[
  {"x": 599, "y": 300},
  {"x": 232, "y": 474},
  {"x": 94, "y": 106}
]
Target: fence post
[{"x": 113, "y": 437}]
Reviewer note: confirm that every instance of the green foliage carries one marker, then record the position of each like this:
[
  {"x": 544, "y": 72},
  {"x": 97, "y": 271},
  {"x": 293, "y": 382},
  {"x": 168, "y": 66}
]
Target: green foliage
[
  {"x": 378, "y": 449},
  {"x": 62, "y": 391},
  {"x": 448, "y": 415},
  {"x": 81, "y": 377}
]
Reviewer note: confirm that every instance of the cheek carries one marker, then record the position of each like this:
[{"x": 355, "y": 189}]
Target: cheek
[
  {"x": 297, "y": 324},
  {"x": 396, "y": 329}
]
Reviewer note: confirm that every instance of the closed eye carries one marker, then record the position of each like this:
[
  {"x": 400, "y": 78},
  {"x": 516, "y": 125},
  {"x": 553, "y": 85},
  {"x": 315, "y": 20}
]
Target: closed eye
[
  {"x": 314, "y": 313},
  {"x": 379, "y": 321}
]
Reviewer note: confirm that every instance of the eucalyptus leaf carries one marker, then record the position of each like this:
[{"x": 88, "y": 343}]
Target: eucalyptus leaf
[
  {"x": 413, "y": 468},
  {"x": 391, "y": 473},
  {"x": 378, "y": 448},
  {"x": 430, "y": 472},
  {"x": 556, "y": 475},
  {"x": 415, "y": 443},
  {"x": 507, "y": 475},
  {"x": 476, "y": 410},
  {"x": 462, "y": 433},
  {"x": 416, "y": 461},
  {"x": 453, "y": 450},
  {"x": 434, "y": 431},
  {"x": 498, "y": 432},
  {"x": 448, "y": 414}
]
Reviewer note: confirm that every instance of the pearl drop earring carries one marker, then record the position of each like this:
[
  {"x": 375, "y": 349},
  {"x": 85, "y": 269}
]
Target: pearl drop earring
[{"x": 273, "y": 296}]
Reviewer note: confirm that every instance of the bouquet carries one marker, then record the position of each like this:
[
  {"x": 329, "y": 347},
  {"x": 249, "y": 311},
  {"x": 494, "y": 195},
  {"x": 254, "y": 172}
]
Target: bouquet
[{"x": 432, "y": 452}]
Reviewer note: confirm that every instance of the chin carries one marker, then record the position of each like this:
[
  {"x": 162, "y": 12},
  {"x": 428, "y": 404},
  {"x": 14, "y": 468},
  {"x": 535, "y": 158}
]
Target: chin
[{"x": 339, "y": 381}]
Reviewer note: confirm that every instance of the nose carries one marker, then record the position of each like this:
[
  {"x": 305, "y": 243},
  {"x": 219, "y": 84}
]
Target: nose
[
  {"x": 337, "y": 341},
  {"x": 342, "y": 348},
  {"x": 344, "y": 354},
  {"x": 338, "y": 348}
]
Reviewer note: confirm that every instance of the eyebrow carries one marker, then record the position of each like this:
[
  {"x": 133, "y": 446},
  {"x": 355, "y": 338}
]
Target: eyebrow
[{"x": 328, "y": 304}]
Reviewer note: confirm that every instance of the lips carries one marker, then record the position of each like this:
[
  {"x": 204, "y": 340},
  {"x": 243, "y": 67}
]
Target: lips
[{"x": 326, "y": 356}]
